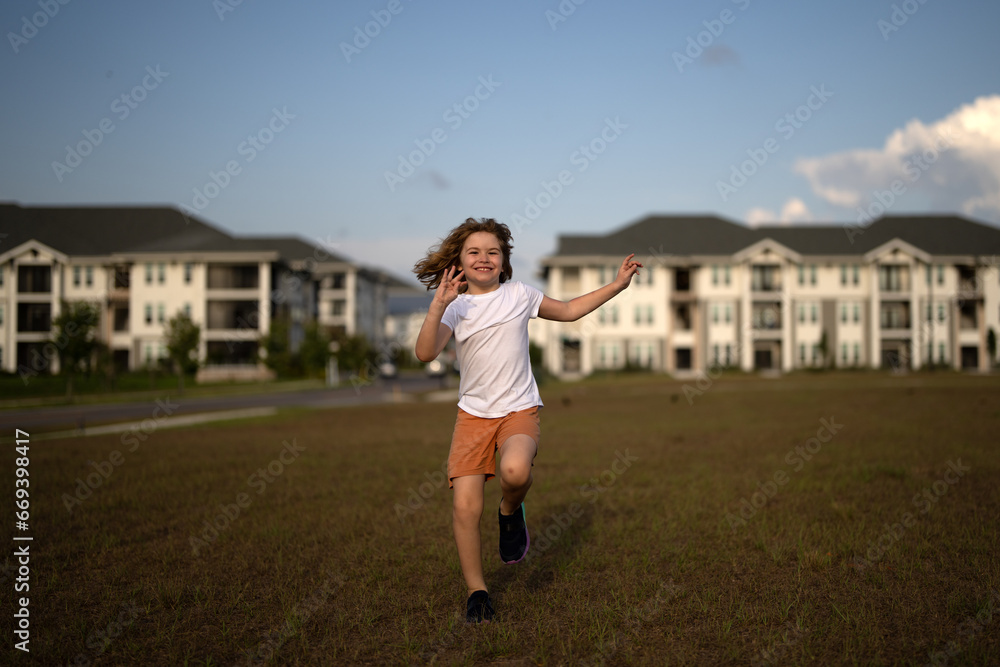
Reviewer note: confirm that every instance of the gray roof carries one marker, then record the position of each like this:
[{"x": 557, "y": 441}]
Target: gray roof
[
  {"x": 99, "y": 230},
  {"x": 701, "y": 235}
]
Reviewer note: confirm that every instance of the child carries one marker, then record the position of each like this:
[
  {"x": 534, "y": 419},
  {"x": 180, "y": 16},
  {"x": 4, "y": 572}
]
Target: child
[{"x": 498, "y": 400}]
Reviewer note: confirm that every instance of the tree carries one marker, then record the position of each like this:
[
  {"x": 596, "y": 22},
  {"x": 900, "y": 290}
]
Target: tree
[
  {"x": 75, "y": 337},
  {"x": 314, "y": 351},
  {"x": 355, "y": 353},
  {"x": 183, "y": 337},
  {"x": 991, "y": 345}
]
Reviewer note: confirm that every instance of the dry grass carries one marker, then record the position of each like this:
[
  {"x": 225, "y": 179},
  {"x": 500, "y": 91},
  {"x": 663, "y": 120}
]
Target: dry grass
[{"x": 629, "y": 565}]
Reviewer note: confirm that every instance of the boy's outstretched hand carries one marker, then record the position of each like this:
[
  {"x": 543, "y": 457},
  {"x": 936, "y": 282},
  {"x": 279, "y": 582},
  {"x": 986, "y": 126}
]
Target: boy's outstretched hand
[
  {"x": 451, "y": 282},
  {"x": 628, "y": 269}
]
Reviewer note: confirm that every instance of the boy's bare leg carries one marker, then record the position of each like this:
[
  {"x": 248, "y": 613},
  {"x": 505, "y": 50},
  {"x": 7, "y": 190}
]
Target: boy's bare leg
[
  {"x": 516, "y": 455},
  {"x": 466, "y": 515}
]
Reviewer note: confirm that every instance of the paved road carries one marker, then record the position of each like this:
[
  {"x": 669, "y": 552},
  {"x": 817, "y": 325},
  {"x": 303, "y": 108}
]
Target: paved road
[{"x": 71, "y": 417}]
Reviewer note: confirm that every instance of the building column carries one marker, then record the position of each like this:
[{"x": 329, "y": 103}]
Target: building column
[{"x": 875, "y": 325}]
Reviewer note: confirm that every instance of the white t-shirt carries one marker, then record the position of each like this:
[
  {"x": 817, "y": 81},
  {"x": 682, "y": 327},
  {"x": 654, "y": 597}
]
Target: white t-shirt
[{"x": 491, "y": 334}]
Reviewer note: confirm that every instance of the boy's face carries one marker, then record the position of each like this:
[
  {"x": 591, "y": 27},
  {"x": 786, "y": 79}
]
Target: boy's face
[{"x": 482, "y": 261}]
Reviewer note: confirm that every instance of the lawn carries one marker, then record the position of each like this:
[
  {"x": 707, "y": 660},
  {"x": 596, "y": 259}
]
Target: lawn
[{"x": 811, "y": 519}]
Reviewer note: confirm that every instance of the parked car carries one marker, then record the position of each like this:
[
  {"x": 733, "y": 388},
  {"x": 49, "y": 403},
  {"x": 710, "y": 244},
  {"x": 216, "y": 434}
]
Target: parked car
[
  {"x": 436, "y": 368},
  {"x": 388, "y": 370}
]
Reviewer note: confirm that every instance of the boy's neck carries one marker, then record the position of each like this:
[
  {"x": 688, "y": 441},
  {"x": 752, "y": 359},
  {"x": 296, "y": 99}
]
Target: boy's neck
[{"x": 475, "y": 289}]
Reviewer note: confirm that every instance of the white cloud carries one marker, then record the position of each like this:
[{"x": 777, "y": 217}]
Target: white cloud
[
  {"x": 952, "y": 164},
  {"x": 794, "y": 210}
]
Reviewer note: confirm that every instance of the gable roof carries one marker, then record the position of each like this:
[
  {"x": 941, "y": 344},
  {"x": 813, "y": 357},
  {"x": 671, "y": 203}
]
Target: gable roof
[{"x": 702, "y": 235}]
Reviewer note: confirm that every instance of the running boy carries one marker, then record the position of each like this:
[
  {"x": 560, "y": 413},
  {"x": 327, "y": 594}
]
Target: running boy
[{"x": 488, "y": 314}]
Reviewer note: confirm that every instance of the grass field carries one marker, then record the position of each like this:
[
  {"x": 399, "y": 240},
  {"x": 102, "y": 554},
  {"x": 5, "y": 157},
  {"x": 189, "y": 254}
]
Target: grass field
[{"x": 812, "y": 519}]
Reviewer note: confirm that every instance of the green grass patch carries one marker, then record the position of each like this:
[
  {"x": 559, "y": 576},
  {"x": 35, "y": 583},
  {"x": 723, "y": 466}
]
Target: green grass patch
[{"x": 337, "y": 547}]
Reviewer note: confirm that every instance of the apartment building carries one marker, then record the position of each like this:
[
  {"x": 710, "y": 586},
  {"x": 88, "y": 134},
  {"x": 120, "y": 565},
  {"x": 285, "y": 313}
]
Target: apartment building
[
  {"x": 903, "y": 292},
  {"x": 143, "y": 265}
]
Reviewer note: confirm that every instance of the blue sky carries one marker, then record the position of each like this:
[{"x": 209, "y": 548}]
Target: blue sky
[{"x": 218, "y": 80}]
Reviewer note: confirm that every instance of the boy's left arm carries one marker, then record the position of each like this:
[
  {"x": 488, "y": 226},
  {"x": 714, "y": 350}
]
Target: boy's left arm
[{"x": 570, "y": 311}]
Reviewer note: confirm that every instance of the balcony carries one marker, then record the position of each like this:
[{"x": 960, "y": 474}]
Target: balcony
[
  {"x": 894, "y": 278},
  {"x": 967, "y": 316},
  {"x": 34, "y": 317},
  {"x": 895, "y": 316},
  {"x": 34, "y": 279},
  {"x": 119, "y": 284},
  {"x": 968, "y": 285},
  {"x": 228, "y": 315},
  {"x": 233, "y": 277},
  {"x": 766, "y": 317},
  {"x": 765, "y": 278}
]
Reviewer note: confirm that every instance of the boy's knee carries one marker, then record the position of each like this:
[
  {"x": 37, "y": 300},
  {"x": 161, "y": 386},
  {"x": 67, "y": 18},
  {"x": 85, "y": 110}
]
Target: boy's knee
[
  {"x": 515, "y": 475},
  {"x": 467, "y": 511}
]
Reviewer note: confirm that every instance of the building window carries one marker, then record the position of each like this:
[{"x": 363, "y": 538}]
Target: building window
[
  {"x": 161, "y": 273},
  {"x": 728, "y": 313},
  {"x": 813, "y": 313},
  {"x": 857, "y": 313},
  {"x": 802, "y": 353},
  {"x": 649, "y": 320},
  {"x": 940, "y": 353},
  {"x": 149, "y": 313},
  {"x": 1, "y": 315},
  {"x": 843, "y": 274},
  {"x": 715, "y": 355},
  {"x": 725, "y": 275},
  {"x": 715, "y": 274},
  {"x": 188, "y": 270},
  {"x": 930, "y": 274},
  {"x": 338, "y": 306},
  {"x": 802, "y": 274},
  {"x": 815, "y": 360},
  {"x": 638, "y": 315},
  {"x": 856, "y": 274},
  {"x": 160, "y": 311},
  {"x": 149, "y": 273},
  {"x": 802, "y": 314},
  {"x": 337, "y": 281},
  {"x": 149, "y": 353},
  {"x": 843, "y": 313},
  {"x": 89, "y": 279},
  {"x": 715, "y": 314},
  {"x": 614, "y": 318},
  {"x": 940, "y": 272},
  {"x": 602, "y": 315},
  {"x": 843, "y": 354},
  {"x": 940, "y": 312},
  {"x": 76, "y": 276},
  {"x": 1, "y": 276},
  {"x": 812, "y": 274},
  {"x": 930, "y": 313},
  {"x": 857, "y": 353},
  {"x": 728, "y": 358},
  {"x": 187, "y": 310}
]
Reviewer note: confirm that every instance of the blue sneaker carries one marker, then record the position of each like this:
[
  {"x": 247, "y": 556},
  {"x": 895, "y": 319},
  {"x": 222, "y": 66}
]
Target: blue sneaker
[{"x": 514, "y": 539}]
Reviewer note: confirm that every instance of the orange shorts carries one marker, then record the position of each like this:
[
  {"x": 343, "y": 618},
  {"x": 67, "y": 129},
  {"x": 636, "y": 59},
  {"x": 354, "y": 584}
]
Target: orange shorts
[{"x": 476, "y": 440}]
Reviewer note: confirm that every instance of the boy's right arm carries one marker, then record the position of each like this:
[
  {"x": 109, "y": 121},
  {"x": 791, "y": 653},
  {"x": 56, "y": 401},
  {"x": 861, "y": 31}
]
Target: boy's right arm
[{"x": 433, "y": 334}]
